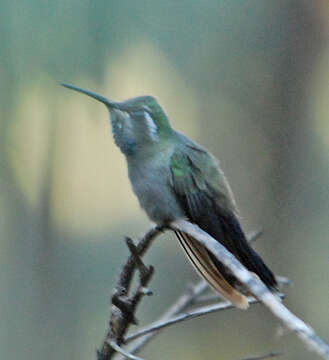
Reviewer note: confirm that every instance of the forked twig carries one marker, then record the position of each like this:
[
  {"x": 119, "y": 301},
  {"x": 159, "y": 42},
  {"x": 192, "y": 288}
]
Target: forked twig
[
  {"x": 189, "y": 297},
  {"x": 123, "y": 352},
  {"x": 192, "y": 295},
  {"x": 224, "y": 305},
  {"x": 125, "y": 305},
  {"x": 256, "y": 287},
  {"x": 267, "y": 356}
]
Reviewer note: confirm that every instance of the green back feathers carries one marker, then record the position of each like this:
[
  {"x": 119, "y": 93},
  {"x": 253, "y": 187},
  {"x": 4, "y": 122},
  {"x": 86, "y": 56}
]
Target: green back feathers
[{"x": 195, "y": 174}]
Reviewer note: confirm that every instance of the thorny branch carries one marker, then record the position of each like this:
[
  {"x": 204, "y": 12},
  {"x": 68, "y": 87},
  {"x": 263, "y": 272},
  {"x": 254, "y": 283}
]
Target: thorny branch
[
  {"x": 188, "y": 298},
  {"x": 124, "y": 306},
  {"x": 263, "y": 357},
  {"x": 177, "y": 313},
  {"x": 224, "y": 305},
  {"x": 256, "y": 287},
  {"x": 122, "y": 315},
  {"x": 121, "y": 351}
]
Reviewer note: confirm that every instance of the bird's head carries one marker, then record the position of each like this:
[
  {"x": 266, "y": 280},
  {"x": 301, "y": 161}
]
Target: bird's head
[{"x": 136, "y": 123}]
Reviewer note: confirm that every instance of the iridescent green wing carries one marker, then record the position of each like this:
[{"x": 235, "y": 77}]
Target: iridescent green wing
[
  {"x": 198, "y": 181},
  {"x": 198, "y": 186},
  {"x": 204, "y": 194},
  {"x": 207, "y": 200}
]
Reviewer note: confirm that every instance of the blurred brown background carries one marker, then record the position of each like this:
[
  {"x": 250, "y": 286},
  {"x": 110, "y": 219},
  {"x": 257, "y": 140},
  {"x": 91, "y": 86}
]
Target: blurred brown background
[{"x": 249, "y": 80}]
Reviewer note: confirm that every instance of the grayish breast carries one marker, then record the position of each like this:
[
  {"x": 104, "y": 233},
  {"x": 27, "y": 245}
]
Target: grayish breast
[{"x": 150, "y": 180}]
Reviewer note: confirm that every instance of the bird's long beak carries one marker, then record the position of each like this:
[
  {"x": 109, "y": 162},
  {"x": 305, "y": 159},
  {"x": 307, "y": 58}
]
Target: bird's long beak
[{"x": 106, "y": 102}]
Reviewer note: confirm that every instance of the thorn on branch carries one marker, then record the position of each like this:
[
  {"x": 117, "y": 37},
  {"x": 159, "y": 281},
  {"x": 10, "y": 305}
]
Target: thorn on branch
[
  {"x": 146, "y": 291},
  {"x": 283, "y": 281},
  {"x": 145, "y": 272},
  {"x": 123, "y": 303},
  {"x": 255, "y": 235}
]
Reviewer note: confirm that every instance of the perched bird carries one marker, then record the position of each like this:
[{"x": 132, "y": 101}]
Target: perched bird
[{"x": 174, "y": 177}]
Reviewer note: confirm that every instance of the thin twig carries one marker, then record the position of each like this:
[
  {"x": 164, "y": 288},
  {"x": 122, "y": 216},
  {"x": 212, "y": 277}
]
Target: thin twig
[
  {"x": 224, "y": 305},
  {"x": 124, "y": 279},
  {"x": 124, "y": 307},
  {"x": 182, "y": 317},
  {"x": 124, "y": 315},
  {"x": 121, "y": 351},
  {"x": 136, "y": 256},
  {"x": 256, "y": 287},
  {"x": 188, "y": 298},
  {"x": 185, "y": 300},
  {"x": 255, "y": 235},
  {"x": 282, "y": 280},
  {"x": 208, "y": 298},
  {"x": 267, "y": 356}
]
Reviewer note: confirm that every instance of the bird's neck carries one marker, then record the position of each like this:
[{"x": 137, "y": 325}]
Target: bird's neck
[{"x": 152, "y": 152}]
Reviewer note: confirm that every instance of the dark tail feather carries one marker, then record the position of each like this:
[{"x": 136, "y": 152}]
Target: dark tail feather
[
  {"x": 248, "y": 256},
  {"x": 224, "y": 226},
  {"x": 254, "y": 263},
  {"x": 230, "y": 234}
]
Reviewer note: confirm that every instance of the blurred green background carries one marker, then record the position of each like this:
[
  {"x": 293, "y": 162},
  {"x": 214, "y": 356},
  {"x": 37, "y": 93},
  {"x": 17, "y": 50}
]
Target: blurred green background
[{"x": 247, "y": 79}]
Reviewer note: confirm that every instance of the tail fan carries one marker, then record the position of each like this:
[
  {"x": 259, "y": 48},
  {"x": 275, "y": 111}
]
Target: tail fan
[{"x": 205, "y": 266}]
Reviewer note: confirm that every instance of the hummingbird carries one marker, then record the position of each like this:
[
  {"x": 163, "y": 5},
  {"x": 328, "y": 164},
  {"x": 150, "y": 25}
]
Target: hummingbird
[{"x": 173, "y": 177}]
